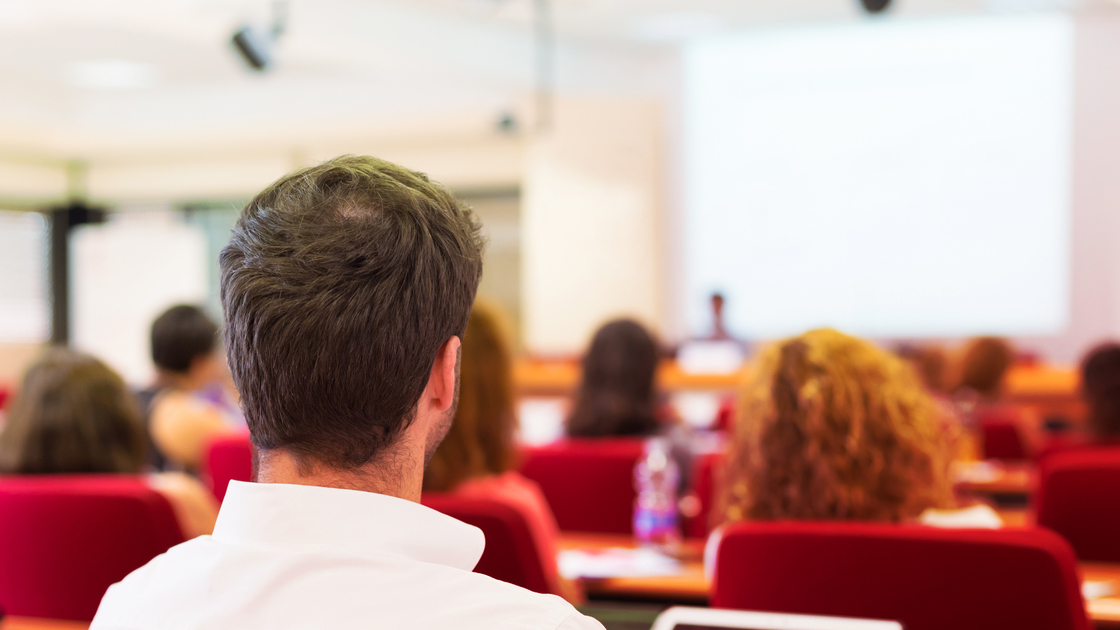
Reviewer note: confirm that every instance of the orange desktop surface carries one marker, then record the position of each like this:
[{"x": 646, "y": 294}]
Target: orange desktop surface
[{"x": 561, "y": 376}]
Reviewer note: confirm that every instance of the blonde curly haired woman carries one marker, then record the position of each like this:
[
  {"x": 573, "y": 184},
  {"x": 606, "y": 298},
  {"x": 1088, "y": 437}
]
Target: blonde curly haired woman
[{"x": 833, "y": 428}]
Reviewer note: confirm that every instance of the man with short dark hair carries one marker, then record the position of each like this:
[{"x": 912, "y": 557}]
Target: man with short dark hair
[
  {"x": 191, "y": 402},
  {"x": 346, "y": 287}
]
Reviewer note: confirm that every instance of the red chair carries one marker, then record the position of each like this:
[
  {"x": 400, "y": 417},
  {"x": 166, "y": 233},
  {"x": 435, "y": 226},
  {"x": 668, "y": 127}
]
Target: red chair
[
  {"x": 510, "y": 555},
  {"x": 924, "y": 577},
  {"x": 589, "y": 483},
  {"x": 1079, "y": 497},
  {"x": 725, "y": 416},
  {"x": 1000, "y": 436},
  {"x": 225, "y": 459},
  {"x": 705, "y": 476},
  {"x": 64, "y": 539}
]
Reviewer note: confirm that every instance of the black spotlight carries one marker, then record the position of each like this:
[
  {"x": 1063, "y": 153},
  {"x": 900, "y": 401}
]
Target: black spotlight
[
  {"x": 254, "y": 48},
  {"x": 254, "y": 44},
  {"x": 875, "y": 6}
]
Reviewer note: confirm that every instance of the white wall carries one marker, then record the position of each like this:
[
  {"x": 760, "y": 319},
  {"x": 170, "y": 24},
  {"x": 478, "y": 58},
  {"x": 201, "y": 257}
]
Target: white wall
[
  {"x": 1095, "y": 252},
  {"x": 591, "y": 222},
  {"x": 124, "y": 274},
  {"x": 31, "y": 182}
]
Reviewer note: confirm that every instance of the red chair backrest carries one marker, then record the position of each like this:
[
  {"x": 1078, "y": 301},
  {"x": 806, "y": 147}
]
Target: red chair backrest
[
  {"x": 224, "y": 459},
  {"x": 589, "y": 483},
  {"x": 1079, "y": 497},
  {"x": 1001, "y": 437},
  {"x": 64, "y": 539},
  {"x": 705, "y": 484},
  {"x": 510, "y": 554},
  {"x": 924, "y": 577},
  {"x": 725, "y": 416}
]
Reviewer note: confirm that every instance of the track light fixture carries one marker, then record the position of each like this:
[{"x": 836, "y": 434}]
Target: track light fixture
[
  {"x": 875, "y": 6},
  {"x": 254, "y": 44}
]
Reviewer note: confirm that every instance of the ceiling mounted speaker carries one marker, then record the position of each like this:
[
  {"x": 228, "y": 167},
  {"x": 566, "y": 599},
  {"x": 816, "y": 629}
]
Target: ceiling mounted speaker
[{"x": 876, "y": 6}]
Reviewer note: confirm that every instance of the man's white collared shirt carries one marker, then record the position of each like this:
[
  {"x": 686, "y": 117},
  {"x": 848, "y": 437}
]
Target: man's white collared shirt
[{"x": 287, "y": 556}]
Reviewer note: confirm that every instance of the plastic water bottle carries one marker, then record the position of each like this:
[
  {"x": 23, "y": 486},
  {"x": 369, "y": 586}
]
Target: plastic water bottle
[{"x": 656, "y": 521}]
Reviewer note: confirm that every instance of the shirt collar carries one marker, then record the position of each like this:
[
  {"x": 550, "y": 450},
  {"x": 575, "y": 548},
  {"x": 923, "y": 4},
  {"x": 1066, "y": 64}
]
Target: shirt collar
[{"x": 352, "y": 521}]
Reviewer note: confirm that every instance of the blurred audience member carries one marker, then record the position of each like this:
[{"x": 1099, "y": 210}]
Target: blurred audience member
[
  {"x": 1100, "y": 387},
  {"x": 984, "y": 366},
  {"x": 1002, "y": 428},
  {"x": 478, "y": 456},
  {"x": 832, "y": 427},
  {"x": 189, "y": 404},
  {"x": 618, "y": 395},
  {"x": 930, "y": 363},
  {"x": 74, "y": 415}
]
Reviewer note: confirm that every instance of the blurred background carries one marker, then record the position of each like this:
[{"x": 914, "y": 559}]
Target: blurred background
[{"x": 941, "y": 170}]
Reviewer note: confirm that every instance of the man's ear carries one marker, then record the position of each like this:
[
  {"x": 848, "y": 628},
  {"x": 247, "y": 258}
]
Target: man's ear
[{"x": 441, "y": 382}]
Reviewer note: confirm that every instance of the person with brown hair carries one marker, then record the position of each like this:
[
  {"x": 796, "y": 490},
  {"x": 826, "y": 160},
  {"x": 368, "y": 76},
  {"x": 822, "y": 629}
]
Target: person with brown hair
[
  {"x": 984, "y": 365},
  {"x": 617, "y": 395},
  {"x": 346, "y": 287},
  {"x": 478, "y": 456},
  {"x": 930, "y": 362},
  {"x": 74, "y": 415},
  {"x": 833, "y": 428},
  {"x": 1100, "y": 388},
  {"x": 1001, "y": 429},
  {"x": 188, "y": 406}
]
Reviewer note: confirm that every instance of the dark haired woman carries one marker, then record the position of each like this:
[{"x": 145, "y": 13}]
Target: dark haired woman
[
  {"x": 74, "y": 415},
  {"x": 1100, "y": 388},
  {"x": 618, "y": 395}
]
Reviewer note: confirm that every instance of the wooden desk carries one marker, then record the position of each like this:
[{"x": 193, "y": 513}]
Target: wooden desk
[
  {"x": 560, "y": 377},
  {"x": 1051, "y": 389},
  {"x": 690, "y": 586},
  {"x": 988, "y": 479},
  {"x": 31, "y": 623},
  {"x": 1104, "y": 611}
]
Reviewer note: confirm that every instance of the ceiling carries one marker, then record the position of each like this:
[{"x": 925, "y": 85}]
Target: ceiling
[{"x": 86, "y": 78}]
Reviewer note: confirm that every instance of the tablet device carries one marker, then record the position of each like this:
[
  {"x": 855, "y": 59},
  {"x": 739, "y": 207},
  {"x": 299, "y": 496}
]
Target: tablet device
[{"x": 686, "y": 618}]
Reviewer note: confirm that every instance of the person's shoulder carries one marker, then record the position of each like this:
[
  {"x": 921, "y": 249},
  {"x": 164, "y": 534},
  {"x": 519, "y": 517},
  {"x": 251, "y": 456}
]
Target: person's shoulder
[{"x": 498, "y": 604}]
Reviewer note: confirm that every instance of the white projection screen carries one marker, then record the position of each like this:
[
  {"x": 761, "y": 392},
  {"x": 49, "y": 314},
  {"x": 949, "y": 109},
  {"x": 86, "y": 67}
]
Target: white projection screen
[{"x": 892, "y": 178}]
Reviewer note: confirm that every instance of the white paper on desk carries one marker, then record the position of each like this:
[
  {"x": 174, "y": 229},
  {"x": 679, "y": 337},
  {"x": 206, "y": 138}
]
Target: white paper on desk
[
  {"x": 616, "y": 562},
  {"x": 1096, "y": 590}
]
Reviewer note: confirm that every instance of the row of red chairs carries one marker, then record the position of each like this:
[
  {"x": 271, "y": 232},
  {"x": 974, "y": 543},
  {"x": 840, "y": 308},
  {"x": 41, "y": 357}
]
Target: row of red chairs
[
  {"x": 76, "y": 535},
  {"x": 65, "y": 539},
  {"x": 589, "y": 486}
]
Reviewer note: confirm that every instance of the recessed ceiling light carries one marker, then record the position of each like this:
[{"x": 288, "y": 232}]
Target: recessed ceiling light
[{"x": 111, "y": 74}]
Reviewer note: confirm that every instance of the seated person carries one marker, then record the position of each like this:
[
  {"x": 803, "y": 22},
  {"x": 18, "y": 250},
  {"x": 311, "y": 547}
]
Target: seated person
[
  {"x": 477, "y": 457},
  {"x": 832, "y": 427},
  {"x": 74, "y": 415},
  {"x": 1100, "y": 389},
  {"x": 346, "y": 288},
  {"x": 618, "y": 395},
  {"x": 930, "y": 363},
  {"x": 979, "y": 394},
  {"x": 189, "y": 405}
]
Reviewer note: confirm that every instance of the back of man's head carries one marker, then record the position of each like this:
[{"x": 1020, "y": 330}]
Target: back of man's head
[
  {"x": 340, "y": 284},
  {"x": 180, "y": 335}
]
